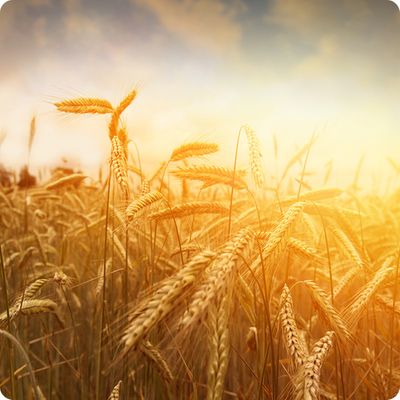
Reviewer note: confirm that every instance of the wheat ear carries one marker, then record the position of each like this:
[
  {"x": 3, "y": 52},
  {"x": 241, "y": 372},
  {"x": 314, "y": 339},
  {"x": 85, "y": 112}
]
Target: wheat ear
[
  {"x": 194, "y": 149},
  {"x": 354, "y": 312},
  {"x": 73, "y": 179},
  {"x": 157, "y": 306},
  {"x": 83, "y": 105},
  {"x": 307, "y": 380},
  {"x": 216, "y": 277},
  {"x": 312, "y": 195},
  {"x": 343, "y": 241},
  {"x": 345, "y": 281},
  {"x": 153, "y": 354},
  {"x": 30, "y": 307},
  {"x": 255, "y": 156},
  {"x": 218, "y": 347},
  {"x": 212, "y": 175},
  {"x": 142, "y": 202},
  {"x": 289, "y": 328},
  {"x": 115, "y": 392},
  {"x": 113, "y": 126},
  {"x": 119, "y": 165},
  {"x": 328, "y": 311},
  {"x": 144, "y": 187},
  {"x": 193, "y": 208},
  {"x": 278, "y": 237},
  {"x": 31, "y": 290},
  {"x": 303, "y": 249}
]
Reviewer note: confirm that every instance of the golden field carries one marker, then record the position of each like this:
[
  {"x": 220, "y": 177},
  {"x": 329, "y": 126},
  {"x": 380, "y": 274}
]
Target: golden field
[{"x": 198, "y": 281}]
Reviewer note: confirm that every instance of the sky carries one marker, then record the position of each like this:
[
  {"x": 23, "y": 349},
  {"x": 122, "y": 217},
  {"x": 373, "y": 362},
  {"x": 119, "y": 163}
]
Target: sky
[{"x": 202, "y": 69}]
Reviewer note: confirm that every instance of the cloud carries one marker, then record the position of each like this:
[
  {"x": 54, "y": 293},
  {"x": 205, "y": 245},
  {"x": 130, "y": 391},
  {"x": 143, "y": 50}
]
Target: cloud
[
  {"x": 354, "y": 37},
  {"x": 209, "y": 24},
  {"x": 304, "y": 17}
]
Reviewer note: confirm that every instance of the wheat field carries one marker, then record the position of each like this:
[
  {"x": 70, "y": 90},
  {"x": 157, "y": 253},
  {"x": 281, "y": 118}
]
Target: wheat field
[{"x": 197, "y": 281}]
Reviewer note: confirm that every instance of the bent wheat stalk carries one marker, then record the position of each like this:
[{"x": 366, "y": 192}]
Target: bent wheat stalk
[
  {"x": 114, "y": 123},
  {"x": 25, "y": 356}
]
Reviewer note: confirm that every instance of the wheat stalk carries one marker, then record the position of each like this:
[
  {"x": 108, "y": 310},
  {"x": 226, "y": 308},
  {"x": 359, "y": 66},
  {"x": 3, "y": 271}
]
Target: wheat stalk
[
  {"x": 307, "y": 380},
  {"x": 193, "y": 208},
  {"x": 142, "y": 202},
  {"x": 114, "y": 395},
  {"x": 73, "y": 179},
  {"x": 157, "y": 306},
  {"x": 332, "y": 211},
  {"x": 36, "y": 306},
  {"x": 328, "y": 311},
  {"x": 212, "y": 175},
  {"x": 136, "y": 171},
  {"x": 119, "y": 165},
  {"x": 194, "y": 149},
  {"x": 349, "y": 247},
  {"x": 31, "y": 290},
  {"x": 354, "y": 311},
  {"x": 345, "y": 281},
  {"x": 293, "y": 343},
  {"x": 84, "y": 105},
  {"x": 278, "y": 237},
  {"x": 157, "y": 359},
  {"x": 30, "y": 307},
  {"x": 216, "y": 277},
  {"x": 114, "y": 123},
  {"x": 255, "y": 156},
  {"x": 303, "y": 249},
  {"x": 218, "y": 347},
  {"x": 145, "y": 187},
  {"x": 312, "y": 195}
]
